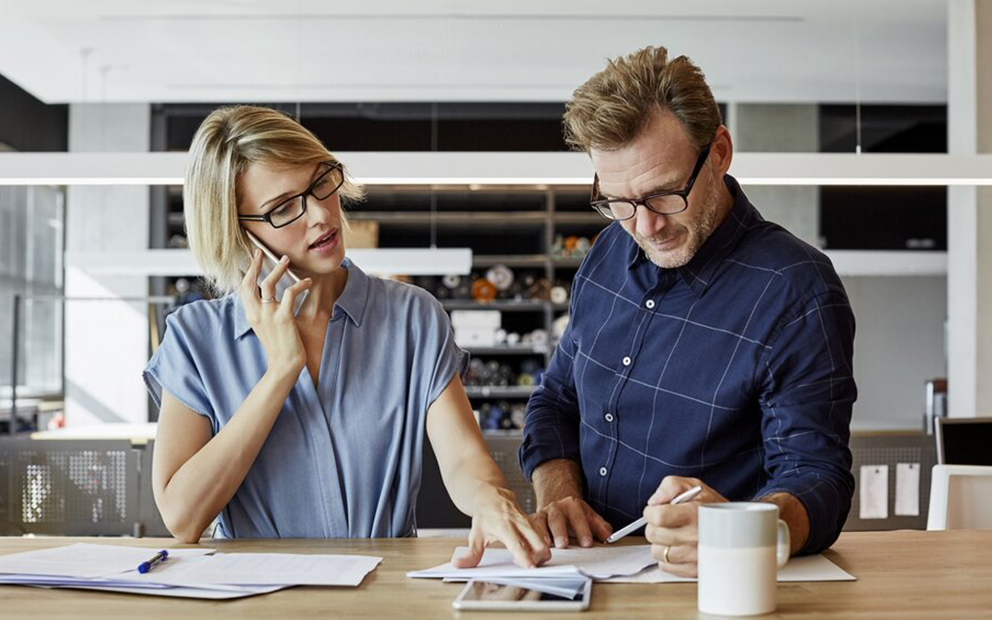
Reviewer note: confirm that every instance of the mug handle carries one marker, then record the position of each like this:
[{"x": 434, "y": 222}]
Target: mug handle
[{"x": 784, "y": 547}]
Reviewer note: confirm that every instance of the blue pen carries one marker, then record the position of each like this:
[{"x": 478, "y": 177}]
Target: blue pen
[{"x": 159, "y": 557}]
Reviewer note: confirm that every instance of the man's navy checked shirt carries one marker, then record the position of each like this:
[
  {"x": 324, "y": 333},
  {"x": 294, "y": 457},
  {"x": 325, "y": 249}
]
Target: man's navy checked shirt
[{"x": 735, "y": 369}]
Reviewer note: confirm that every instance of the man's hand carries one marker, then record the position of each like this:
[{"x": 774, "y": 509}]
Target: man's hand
[
  {"x": 558, "y": 486},
  {"x": 672, "y": 530},
  {"x": 558, "y": 519}
]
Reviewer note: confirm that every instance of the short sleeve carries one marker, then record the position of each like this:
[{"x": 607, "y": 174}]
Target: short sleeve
[
  {"x": 449, "y": 358},
  {"x": 172, "y": 368}
]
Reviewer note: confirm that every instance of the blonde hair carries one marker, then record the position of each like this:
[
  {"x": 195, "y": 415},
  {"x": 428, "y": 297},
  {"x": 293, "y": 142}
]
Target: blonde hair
[
  {"x": 610, "y": 109},
  {"x": 227, "y": 142}
]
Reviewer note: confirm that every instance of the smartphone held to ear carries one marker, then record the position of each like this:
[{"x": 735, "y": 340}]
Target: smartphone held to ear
[{"x": 288, "y": 279}]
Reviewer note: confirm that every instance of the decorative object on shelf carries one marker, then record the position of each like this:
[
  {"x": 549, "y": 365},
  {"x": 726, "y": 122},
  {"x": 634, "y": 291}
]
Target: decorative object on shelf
[
  {"x": 502, "y": 416},
  {"x": 540, "y": 290},
  {"x": 571, "y": 246},
  {"x": 559, "y": 295},
  {"x": 537, "y": 339},
  {"x": 483, "y": 290},
  {"x": 476, "y": 328},
  {"x": 520, "y": 286},
  {"x": 451, "y": 282},
  {"x": 503, "y": 374},
  {"x": 501, "y": 277}
]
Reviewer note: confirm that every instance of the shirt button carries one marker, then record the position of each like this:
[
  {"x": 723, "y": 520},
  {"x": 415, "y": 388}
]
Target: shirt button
[
  {"x": 649, "y": 303},
  {"x": 602, "y": 471},
  {"x": 609, "y": 417},
  {"x": 626, "y": 361}
]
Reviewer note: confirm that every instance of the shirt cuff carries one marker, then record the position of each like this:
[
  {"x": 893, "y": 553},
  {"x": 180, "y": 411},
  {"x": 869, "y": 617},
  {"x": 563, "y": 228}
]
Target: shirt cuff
[{"x": 826, "y": 507}]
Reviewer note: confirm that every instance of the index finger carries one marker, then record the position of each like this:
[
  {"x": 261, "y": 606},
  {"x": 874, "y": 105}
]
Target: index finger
[
  {"x": 517, "y": 546},
  {"x": 669, "y": 488},
  {"x": 249, "y": 286},
  {"x": 669, "y": 516}
]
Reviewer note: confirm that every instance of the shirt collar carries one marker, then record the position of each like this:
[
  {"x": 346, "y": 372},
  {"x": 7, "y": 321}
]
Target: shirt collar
[
  {"x": 701, "y": 268},
  {"x": 352, "y": 301}
]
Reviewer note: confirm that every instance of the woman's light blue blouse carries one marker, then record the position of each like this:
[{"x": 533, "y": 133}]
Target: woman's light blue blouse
[{"x": 343, "y": 459}]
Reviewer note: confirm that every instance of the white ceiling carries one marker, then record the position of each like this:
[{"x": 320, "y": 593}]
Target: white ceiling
[{"x": 432, "y": 50}]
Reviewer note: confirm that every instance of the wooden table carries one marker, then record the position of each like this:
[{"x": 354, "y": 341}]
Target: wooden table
[{"x": 908, "y": 574}]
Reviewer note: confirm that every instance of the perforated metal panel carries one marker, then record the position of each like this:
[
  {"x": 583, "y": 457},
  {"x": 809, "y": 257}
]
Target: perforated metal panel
[
  {"x": 79, "y": 488},
  {"x": 891, "y": 449}
]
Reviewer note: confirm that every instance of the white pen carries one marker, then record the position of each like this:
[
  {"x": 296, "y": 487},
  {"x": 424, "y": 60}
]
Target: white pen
[{"x": 636, "y": 525}]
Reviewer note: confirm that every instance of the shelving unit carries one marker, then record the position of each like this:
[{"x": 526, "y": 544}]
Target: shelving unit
[{"x": 516, "y": 226}]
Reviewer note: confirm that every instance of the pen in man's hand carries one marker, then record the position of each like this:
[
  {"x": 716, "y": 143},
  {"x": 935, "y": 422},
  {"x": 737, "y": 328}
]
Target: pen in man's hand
[{"x": 636, "y": 525}]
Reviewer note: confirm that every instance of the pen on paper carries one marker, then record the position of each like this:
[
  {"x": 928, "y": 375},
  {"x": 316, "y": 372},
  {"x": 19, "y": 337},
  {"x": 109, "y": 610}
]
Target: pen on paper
[
  {"x": 636, "y": 525},
  {"x": 157, "y": 559}
]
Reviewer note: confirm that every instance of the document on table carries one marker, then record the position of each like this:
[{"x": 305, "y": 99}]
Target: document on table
[
  {"x": 262, "y": 569},
  {"x": 806, "y": 568},
  {"x": 186, "y": 573},
  {"x": 85, "y": 560},
  {"x": 594, "y": 562},
  {"x": 177, "y": 592}
]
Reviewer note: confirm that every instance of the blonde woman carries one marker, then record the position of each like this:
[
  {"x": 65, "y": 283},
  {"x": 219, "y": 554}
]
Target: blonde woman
[{"x": 313, "y": 425}]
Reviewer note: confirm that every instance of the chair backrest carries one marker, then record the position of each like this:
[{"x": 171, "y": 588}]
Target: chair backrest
[{"x": 960, "y": 498}]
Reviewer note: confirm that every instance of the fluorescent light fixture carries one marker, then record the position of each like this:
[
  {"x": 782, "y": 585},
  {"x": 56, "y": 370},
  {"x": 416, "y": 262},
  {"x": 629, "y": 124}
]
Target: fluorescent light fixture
[
  {"x": 482, "y": 169},
  {"x": 174, "y": 263},
  {"x": 414, "y": 261}
]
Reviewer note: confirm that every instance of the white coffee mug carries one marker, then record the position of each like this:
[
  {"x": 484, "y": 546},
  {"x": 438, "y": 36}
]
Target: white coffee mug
[{"x": 741, "y": 547}]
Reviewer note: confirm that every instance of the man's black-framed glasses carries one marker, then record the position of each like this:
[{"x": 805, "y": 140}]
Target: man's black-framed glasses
[
  {"x": 293, "y": 208},
  {"x": 663, "y": 203}
]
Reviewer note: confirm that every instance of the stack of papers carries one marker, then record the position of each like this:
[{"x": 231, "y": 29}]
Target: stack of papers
[
  {"x": 806, "y": 568},
  {"x": 565, "y": 574},
  {"x": 193, "y": 573},
  {"x": 607, "y": 564}
]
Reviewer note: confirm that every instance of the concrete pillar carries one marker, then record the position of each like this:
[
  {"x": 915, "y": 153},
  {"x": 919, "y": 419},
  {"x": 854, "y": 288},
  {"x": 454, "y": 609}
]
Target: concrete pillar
[
  {"x": 969, "y": 217},
  {"x": 106, "y": 342}
]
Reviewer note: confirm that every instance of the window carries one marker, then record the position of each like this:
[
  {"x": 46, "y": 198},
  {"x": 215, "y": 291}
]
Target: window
[{"x": 31, "y": 244}]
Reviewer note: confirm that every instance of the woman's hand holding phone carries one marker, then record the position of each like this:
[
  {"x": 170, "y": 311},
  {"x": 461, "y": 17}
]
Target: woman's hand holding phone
[{"x": 272, "y": 319}]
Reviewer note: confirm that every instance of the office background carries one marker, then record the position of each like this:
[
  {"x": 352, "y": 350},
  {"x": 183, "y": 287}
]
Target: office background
[{"x": 90, "y": 267}]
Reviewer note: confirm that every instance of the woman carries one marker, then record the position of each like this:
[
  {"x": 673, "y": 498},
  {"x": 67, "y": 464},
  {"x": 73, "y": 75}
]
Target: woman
[{"x": 313, "y": 425}]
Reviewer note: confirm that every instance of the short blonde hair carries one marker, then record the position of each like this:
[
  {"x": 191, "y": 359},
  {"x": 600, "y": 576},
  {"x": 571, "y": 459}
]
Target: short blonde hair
[
  {"x": 611, "y": 108},
  {"x": 227, "y": 142}
]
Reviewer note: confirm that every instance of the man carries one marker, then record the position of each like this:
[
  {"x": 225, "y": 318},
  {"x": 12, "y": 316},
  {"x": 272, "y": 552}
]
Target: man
[{"x": 705, "y": 346}]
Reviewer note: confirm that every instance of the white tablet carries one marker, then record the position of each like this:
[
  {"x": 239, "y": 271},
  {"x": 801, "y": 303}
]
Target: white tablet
[{"x": 491, "y": 596}]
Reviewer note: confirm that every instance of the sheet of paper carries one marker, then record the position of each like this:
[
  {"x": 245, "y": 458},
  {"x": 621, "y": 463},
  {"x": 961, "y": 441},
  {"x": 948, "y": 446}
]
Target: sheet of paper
[
  {"x": 806, "y": 568},
  {"x": 85, "y": 560},
  {"x": 908, "y": 489},
  {"x": 180, "y": 592},
  {"x": 262, "y": 569},
  {"x": 873, "y": 492},
  {"x": 568, "y": 588},
  {"x": 595, "y": 562}
]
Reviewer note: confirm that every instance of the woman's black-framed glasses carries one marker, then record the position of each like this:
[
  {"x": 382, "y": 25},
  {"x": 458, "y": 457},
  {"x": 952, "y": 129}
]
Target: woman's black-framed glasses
[
  {"x": 293, "y": 208},
  {"x": 663, "y": 203}
]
